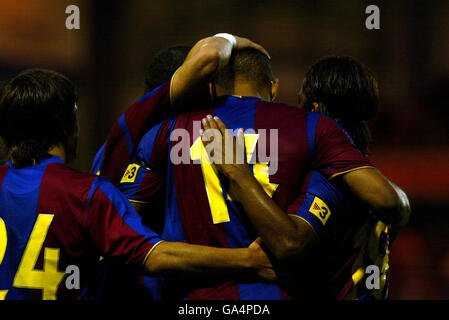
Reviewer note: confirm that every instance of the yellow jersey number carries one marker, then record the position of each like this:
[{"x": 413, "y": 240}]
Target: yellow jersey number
[
  {"x": 49, "y": 278},
  {"x": 217, "y": 203}
]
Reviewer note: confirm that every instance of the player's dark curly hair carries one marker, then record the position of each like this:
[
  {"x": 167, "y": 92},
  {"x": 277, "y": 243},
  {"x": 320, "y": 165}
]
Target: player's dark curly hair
[
  {"x": 37, "y": 112},
  {"x": 346, "y": 91}
]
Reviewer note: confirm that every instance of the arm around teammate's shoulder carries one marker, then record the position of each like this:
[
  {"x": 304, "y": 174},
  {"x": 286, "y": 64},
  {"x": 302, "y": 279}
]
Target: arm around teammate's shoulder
[
  {"x": 336, "y": 157},
  {"x": 206, "y": 57},
  {"x": 117, "y": 230},
  {"x": 188, "y": 260},
  {"x": 389, "y": 203}
]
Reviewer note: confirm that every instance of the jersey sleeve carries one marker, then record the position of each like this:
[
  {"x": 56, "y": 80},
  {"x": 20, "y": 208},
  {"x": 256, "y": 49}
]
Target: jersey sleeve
[
  {"x": 140, "y": 184},
  {"x": 318, "y": 204},
  {"x": 333, "y": 151},
  {"x": 144, "y": 177},
  {"x": 127, "y": 131},
  {"x": 115, "y": 227}
]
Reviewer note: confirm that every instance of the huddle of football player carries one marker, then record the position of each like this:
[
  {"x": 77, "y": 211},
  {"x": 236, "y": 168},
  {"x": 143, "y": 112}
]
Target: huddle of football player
[{"x": 156, "y": 228}]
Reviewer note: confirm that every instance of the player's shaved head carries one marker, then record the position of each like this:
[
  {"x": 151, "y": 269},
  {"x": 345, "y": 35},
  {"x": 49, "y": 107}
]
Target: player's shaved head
[
  {"x": 247, "y": 65},
  {"x": 163, "y": 65}
]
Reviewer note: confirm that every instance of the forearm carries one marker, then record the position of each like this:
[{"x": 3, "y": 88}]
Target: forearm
[
  {"x": 404, "y": 206},
  {"x": 186, "y": 260},
  {"x": 388, "y": 202},
  {"x": 279, "y": 233},
  {"x": 220, "y": 50},
  {"x": 204, "y": 60}
]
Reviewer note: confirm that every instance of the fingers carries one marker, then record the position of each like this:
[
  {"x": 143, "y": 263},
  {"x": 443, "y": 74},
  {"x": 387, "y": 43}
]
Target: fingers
[
  {"x": 240, "y": 147},
  {"x": 241, "y": 137},
  {"x": 209, "y": 123},
  {"x": 261, "y": 49},
  {"x": 258, "y": 240},
  {"x": 215, "y": 123},
  {"x": 207, "y": 134},
  {"x": 237, "y": 153},
  {"x": 221, "y": 126},
  {"x": 243, "y": 43}
]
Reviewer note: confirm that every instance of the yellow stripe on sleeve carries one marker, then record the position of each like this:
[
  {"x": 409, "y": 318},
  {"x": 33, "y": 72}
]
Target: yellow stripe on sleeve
[
  {"x": 350, "y": 170},
  {"x": 149, "y": 252}
]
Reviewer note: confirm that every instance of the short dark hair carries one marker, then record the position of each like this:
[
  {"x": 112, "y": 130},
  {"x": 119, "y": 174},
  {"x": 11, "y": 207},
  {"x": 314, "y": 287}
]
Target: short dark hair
[
  {"x": 248, "y": 64},
  {"x": 346, "y": 91},
  {"x": 37, "y": 111},
  {"x": 163, "y": 65}
]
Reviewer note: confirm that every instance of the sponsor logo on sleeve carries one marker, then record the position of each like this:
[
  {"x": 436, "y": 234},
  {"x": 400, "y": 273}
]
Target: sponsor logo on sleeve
[
  {"x": 320, "y": 209},
  {"x": 130, "y": 173}
]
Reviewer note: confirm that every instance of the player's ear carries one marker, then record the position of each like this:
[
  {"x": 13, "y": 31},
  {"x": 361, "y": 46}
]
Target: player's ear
[
  {"x": 315, "y": 107},
  {"x": 301, "y": 100},
  {"x": 212, "y": 91},
  {"x": 274, "y": 89}
]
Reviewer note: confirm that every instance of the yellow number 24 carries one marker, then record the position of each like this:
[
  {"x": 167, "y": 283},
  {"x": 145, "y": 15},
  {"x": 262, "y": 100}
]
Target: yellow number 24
[{"x": 47, "y": 279}]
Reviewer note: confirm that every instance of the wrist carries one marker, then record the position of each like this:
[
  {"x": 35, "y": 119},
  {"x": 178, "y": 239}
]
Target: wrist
[
  {"x": 228, "y": 37},
  {"x": 240, "y": 175},
  {"x": 252, "y": 260}
]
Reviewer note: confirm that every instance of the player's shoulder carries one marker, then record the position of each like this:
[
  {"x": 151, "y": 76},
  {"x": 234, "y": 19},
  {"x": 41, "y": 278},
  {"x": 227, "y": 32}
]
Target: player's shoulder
[
  {"x": 157, "y": 135},
  {"x": 70, "y": 173},
  {"x": 3, "y": 169},
  {"x": 320, "y": 186},
  {"x": 149, "y": 95},
  {"x": 280, "y": 110},
  {"x": 327, "y": 126},
  {"x": 68, "y": 180}
]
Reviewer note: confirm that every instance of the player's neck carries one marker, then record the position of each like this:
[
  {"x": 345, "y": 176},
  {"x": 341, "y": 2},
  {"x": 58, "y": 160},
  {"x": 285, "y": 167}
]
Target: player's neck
[
  {"x": 247, "y": 90},
  {"x": 59, "y": 151}
]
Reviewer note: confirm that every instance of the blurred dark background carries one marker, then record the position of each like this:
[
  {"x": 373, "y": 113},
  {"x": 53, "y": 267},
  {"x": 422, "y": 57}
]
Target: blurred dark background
[{"x": 107, "y": 58}]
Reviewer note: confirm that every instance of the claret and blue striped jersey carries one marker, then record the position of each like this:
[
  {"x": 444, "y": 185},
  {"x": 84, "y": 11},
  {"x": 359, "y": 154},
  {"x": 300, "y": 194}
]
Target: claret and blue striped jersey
[
  {"x": 121, "y": 143},
  {"x": 199, "y": 208},
  {"x": 53, "y": 217},
  {"x": 351, "y": 240}
]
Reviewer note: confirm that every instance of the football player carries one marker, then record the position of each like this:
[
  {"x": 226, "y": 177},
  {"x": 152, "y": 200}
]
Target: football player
[
  {"x": 53, "y": 217},
  {"x": 198, "y": 213},
  {"x": 330, "y": 263}
]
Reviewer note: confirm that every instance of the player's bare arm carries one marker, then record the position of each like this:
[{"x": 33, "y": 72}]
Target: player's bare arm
[
  {"x": 389, "y": 203},
  {"x": 289, "y": 239},
  {"x": 207, "y": 57},
  {"x": 188, "y": 260}
]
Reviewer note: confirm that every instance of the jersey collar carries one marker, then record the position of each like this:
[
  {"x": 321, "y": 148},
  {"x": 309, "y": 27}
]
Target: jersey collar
[
  {"x": 44, "y": 161},
  {"x": 245, "y": 97}
]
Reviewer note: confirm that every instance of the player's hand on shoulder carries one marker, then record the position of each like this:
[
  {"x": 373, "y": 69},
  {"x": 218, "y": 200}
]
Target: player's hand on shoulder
[{"x": 225, "y": 152}]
